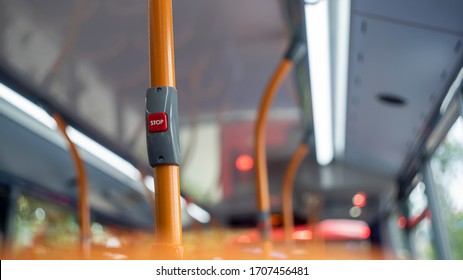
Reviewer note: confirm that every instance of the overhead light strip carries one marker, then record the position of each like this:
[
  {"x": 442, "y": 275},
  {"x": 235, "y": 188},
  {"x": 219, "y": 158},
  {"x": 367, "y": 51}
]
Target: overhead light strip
[
  {"x": 26, "y": 106},
  {"x": 80, "y": 139},
  {"x": 317, "y": 27},
  {"x": 103, "y": 153},
  {"x": 149, "y": 183},
  {"x": 341, "y": 74},
  {"x": 451, "y": 92},
  {"x": 198, "y": 213}
]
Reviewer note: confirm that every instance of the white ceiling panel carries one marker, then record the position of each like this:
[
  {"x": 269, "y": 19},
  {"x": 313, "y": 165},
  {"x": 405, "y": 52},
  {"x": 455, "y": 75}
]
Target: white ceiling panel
[
  {"x": 408, "y": 61},
  {"x": 442, "y": 15}
]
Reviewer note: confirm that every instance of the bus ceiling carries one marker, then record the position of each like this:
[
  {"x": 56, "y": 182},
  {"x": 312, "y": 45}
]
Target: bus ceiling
[{"x": 390, "y": 65}]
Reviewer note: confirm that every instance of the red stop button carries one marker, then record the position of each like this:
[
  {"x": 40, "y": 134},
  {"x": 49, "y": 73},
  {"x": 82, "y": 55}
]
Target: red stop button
[{"x": 157, "y": 122}]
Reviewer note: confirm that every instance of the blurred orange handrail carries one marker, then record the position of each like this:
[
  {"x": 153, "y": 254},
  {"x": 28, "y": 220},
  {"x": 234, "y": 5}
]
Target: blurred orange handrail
[
  {"x": 293, "y": 55},
  {"x": 259, "y": 146},
  {"x": 288, "y": 182},
  {"x": 83, "y": 200}
]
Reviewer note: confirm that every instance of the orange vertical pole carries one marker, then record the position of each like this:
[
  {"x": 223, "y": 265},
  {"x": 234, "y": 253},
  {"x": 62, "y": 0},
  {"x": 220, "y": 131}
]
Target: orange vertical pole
[
  {"x": 83, "y": 204},
  {"x": 168, "y": 222},
  {"x": 263, "y": 200},
  {"x": 161, "y": 40}
]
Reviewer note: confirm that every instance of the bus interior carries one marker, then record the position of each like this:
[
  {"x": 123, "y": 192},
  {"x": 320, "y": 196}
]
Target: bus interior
[{"x": 362, "y": 144}]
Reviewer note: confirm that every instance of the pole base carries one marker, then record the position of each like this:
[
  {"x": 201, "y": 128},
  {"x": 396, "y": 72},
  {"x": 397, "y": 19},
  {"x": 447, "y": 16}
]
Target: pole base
[{"x": 167, "y": 252}]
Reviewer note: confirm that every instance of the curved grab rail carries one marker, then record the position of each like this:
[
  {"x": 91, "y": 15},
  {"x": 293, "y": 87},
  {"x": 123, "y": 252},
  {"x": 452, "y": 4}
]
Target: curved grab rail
[
  {"x": 295, "y": 52},
  {"x": 83, "y": 200},
  {"x": 263, "y": 200},
  {"x": 288, "y": 182}
]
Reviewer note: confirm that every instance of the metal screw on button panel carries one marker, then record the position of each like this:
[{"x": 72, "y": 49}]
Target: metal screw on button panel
[{"x": 158, "y": 89}]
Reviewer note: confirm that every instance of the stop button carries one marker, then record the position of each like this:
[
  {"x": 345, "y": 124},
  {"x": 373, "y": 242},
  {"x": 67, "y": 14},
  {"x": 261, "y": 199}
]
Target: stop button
[{"x": 157, "y": 122}]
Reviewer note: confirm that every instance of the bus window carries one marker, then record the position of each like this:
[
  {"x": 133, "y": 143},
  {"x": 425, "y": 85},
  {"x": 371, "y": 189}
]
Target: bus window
[
  {"x": 4, "y": 207},
  {"x": 41, "y": 227},
  {"x": 397, "y": 235},
  {"x": 419, "y": 224},
  {"x": 447, "y": 172}
]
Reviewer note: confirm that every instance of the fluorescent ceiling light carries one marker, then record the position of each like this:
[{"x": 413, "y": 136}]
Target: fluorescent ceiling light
[
  {"x": 198, "y": 213},
  {"x": 341, "y": 64},
  {"x": 149, "y": 183},
  {"x": 451, "y": 93},
  {"x": 28, "y": 107},
  {"x": 183, "y": 202},
  {"x": 103, "y": 153},
  {"x": 317, "y": 27},
  {"x": 83, "y": 141}
]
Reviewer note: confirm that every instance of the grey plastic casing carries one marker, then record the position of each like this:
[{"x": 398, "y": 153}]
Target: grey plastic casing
[{"x": 163, "y": 147}]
